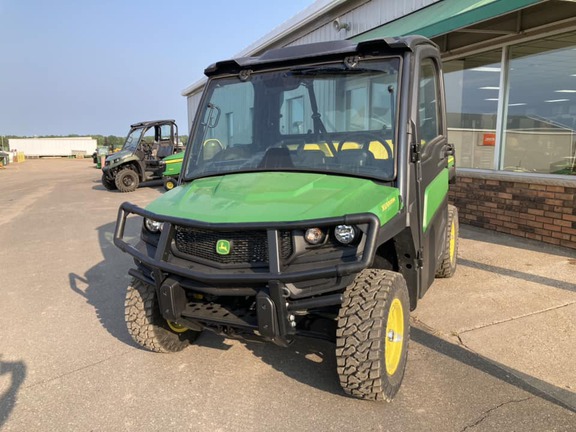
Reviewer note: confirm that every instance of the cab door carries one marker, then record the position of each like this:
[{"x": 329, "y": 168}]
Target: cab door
[{"x": 429, "y": 153}]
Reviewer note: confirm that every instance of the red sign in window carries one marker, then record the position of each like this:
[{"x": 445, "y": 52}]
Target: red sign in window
[{"x": 489, "y": 139}]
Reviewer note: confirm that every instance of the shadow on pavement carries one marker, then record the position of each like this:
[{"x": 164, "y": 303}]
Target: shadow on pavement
[
  {"x": 534, "y": 386},
  {"x": 16, "y": 372},
  {"x": 158, "y": 184},
  {"x": 104, "y": 285},
  {"x": 308, "y": 361},
  {"x": 542, "y": 280}
]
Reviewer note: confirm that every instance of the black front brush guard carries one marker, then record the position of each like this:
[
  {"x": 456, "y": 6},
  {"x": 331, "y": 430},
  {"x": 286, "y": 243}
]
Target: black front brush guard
[{"x": 162, "y": 259}]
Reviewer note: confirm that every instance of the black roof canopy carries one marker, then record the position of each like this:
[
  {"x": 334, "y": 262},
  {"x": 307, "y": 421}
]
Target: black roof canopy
[{"x": 320, "y": 51}]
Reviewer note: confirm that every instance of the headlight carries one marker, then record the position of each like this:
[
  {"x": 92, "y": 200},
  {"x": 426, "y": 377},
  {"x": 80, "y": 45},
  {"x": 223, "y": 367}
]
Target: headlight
[
  {"x": 345, "y": 234},
  {"x": 152, "y": 225},
  {"x": 115, "y": 160},
  {"x": 314, "y": 236}
]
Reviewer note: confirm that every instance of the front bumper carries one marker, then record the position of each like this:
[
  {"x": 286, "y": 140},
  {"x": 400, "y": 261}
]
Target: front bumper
[
  {"x": 273, "y": 284},
  {"x": 167, "y": 261}
]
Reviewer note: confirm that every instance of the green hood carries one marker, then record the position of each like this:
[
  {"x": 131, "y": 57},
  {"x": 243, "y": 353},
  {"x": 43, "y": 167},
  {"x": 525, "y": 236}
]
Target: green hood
[{"x": 276, "y": 197}]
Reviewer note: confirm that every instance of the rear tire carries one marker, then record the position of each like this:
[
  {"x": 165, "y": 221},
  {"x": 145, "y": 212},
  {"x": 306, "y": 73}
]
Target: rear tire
[
  {"x": 127, "y": 180},
  {"x": 108, "y": 184},
  {"x": 447, "y": 265},
  {"x": 169, "y": 183},
  {"x": 372, "y": 335},
  {"x": 147, "y": 326}
]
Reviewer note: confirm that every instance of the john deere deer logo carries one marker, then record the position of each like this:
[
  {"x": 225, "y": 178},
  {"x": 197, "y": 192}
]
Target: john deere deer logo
[{"x": 223, "y": 247}]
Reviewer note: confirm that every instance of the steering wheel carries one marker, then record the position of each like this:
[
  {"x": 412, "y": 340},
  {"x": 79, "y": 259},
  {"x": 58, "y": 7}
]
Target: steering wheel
[{"x": 364, "y": 139}]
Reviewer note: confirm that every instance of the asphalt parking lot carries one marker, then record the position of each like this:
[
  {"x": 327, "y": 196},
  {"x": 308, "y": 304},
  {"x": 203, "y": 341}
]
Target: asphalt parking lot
[{"x": 492, "y": 348}]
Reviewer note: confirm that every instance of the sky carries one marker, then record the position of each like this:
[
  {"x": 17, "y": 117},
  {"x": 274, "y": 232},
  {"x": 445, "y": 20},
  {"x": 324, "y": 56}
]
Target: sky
[{"x": 92, "y": 67}]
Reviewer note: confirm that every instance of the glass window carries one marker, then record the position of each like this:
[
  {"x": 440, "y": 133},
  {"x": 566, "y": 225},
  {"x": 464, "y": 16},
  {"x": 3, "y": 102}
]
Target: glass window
[
  {"x": 230, "y": 126},
  {"x": 165, "y": 132},
  {"x": 324, "y": 118},
  {"x": 149, "y": 136},
  {"x": 472, "y": 91},
  {"x": 296, "y": 115},
  {"x": 427, "y": 102},
  {"x": 357, "y": 107},
  {"x": 539, "y": 134}
]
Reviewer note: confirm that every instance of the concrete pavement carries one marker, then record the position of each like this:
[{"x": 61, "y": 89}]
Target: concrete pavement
[{"x": 491, "y": 348}]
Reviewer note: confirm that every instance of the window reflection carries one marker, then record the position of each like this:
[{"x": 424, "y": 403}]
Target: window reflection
[
  {"x": 472, "y": 91},
  {"x": 541, "y": 118},
  {"x": 539, "y": 114}
]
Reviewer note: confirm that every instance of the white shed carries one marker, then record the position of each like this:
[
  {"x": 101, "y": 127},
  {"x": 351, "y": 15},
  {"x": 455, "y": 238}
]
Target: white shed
[{"x": 63, "y": 146}]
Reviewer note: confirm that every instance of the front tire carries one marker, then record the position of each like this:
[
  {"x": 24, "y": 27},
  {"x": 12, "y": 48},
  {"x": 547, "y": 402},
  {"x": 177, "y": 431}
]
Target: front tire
[
  {"x": 372, "y": 335},
  {"x": 147, "y": 326},
  {"x": 108, "y": 184},
  {"x": 127, "y": 180},
  {"x": 447, "y": 265},
  {"x": 169, "y": 183}
]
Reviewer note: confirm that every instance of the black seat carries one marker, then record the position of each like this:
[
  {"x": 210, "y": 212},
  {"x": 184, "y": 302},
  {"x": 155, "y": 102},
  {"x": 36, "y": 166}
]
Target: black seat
[
  {"x": 164, "y": 149},
  {"x": 276, "y": 157},
  {"x": 355, "y": 158}
]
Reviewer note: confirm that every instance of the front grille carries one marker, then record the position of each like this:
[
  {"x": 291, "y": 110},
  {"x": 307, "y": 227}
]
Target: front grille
[{"x": 247, "y": 247}]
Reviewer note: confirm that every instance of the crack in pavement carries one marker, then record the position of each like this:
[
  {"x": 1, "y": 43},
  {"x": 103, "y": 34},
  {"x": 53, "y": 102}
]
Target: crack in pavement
[
  {"x": 65, "y": 374},
  {"x": 515, "y": 318},
  {"x": 488, "y": 413}
]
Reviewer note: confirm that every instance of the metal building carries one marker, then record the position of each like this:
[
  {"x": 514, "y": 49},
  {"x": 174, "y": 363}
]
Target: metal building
[{"x": 510, "y": 74}]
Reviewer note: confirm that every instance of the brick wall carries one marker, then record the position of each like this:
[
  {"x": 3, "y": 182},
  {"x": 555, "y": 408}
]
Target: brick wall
[{"x": 543, "y": 210}]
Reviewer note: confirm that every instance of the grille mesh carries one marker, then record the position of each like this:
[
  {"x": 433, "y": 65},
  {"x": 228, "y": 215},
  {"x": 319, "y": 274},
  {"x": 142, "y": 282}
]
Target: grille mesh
[{"x": 247, "y": 247}]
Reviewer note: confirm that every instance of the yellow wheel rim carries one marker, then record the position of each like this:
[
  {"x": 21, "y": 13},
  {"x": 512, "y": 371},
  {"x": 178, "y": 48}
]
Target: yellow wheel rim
[
  {"x": 452, "y": 241},
  {"x": 169, "y": 185},
  {"x": 394, "y": 336},
  {"x": 177, "y": 328}
]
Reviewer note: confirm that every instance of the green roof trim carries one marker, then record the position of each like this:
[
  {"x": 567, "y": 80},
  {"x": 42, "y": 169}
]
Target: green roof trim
[{"x": 445, "y": 16}]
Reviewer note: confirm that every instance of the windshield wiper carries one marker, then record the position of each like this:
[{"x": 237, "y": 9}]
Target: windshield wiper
[{"x": 319, "y": 127}]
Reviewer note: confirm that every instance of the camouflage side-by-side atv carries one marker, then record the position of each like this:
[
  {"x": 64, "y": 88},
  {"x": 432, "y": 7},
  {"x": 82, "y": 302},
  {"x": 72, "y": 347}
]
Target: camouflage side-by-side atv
[{"x": 140, "y": 160}]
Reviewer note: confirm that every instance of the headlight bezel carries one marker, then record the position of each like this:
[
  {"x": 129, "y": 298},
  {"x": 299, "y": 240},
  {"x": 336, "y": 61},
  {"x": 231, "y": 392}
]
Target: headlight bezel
[
  {"x": 153, "y": 226},
  {"x": 346, "y": 234},
  {"x": 315, "y": 236}
]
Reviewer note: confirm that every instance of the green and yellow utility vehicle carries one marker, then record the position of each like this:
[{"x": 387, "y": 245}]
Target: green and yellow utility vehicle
[
  {"x": 312, "y": 202},
  {"x": 140, "y": 160},
  {"x": 172, "y": 167}
]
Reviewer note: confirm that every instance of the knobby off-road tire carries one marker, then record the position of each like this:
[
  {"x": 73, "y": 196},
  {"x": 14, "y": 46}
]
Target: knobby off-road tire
[
  {"x": 108, "y": 184},
  {"x": 127, "y": 180},
  {"x": 447, "y": 265},
  {"x": 147, "y": 326},
  {"x": 372, "y": 335}
]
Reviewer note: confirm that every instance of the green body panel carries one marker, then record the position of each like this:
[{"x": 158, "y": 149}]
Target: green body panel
[
  {"x": 173, "y": 164},
  {"x": 277, "y": 197},
  {"x": 434, "y": 196}
]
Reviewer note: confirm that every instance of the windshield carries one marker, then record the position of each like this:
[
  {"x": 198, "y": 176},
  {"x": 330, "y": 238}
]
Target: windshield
[
  {"x": 326, "y": 118},
  {"x": 132, "y": 140}
]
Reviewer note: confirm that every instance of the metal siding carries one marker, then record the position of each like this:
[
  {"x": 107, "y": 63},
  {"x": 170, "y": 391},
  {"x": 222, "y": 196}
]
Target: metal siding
[{"x": 363, "y": 18}]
